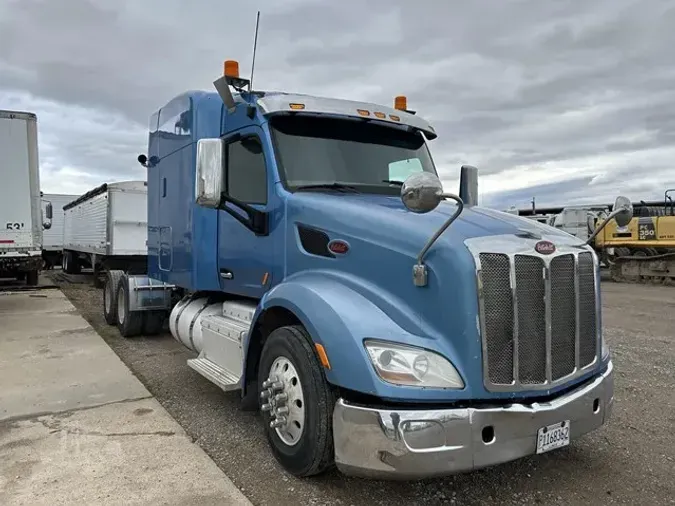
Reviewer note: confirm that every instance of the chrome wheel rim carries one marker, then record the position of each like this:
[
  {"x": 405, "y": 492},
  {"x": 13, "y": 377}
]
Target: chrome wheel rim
[{"x": 284, "y": 400}]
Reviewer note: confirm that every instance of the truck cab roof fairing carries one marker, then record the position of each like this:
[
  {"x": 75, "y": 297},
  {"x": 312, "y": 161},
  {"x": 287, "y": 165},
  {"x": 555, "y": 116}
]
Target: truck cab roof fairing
[{"x": 272, "y": 104}]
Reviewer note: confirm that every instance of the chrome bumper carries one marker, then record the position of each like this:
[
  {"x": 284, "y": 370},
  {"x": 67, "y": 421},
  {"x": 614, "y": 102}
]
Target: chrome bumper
[{"x": 413, "y": 444}]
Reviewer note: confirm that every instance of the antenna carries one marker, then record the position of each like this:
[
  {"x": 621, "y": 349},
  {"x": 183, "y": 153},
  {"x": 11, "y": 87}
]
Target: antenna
[{"x": 255, "y": 46}]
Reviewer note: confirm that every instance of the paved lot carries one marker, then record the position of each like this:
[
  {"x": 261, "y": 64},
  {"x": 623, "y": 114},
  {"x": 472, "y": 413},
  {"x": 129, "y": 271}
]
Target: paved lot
[
  {"x": 629, "y": 461},
  {"x": 76, "y": 427}
]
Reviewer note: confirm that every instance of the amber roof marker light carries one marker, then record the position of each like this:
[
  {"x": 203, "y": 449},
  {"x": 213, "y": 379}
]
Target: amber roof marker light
[
  {"x": 231, "y": 68},
  {"x": 401, "y": 104}
]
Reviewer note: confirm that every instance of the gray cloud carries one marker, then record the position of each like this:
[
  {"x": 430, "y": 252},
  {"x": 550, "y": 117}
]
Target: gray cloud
[{"x": 578, "y": 92}]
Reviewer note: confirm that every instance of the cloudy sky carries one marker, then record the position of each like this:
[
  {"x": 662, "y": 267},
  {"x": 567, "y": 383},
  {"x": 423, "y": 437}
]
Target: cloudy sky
[{"x": 566, "y": 101}]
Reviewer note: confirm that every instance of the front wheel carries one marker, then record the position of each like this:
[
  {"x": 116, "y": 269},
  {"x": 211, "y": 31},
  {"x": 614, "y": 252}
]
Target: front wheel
[{"x": 296, "y": 402}]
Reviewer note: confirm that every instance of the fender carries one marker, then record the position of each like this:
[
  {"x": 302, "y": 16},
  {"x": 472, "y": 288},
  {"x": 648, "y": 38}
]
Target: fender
[{"x": 340, "y": 318}]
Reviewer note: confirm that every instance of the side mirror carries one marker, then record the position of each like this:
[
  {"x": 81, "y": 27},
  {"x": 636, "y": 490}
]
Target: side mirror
[
  {"x": 625, "y": 211},
  {"x": 468, "y": 185},
  {"x": 48, "y": 211},
  {"x": 622, "y": 213},
  {"x": 422, "y": 192},
  {"x": 209, "y": 172}
]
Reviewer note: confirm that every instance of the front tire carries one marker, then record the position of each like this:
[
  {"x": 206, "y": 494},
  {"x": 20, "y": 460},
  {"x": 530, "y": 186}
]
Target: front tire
[{"x": 296, "y": 402}]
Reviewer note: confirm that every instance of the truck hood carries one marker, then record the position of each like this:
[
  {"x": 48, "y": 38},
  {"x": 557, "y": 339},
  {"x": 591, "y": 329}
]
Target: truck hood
[
  {"x": 384, "y": 240},
  {"x": 384, "y": 219}
]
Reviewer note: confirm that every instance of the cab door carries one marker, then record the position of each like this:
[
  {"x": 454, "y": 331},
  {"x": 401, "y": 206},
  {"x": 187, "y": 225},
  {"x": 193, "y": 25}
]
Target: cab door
[{"x": 245, "y": 258}]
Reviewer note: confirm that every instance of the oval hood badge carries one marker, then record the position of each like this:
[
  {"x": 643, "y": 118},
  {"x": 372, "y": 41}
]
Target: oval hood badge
[
  {"x": 338, "y": 247},
  {"x": 544, "y": 247}
]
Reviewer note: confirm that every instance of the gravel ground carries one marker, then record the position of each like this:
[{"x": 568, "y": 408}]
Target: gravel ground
[{"x": 629, "y": 461}]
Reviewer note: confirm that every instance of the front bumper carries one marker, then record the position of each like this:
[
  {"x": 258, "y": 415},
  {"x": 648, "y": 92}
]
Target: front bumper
[{"x": 414, "y": 444}]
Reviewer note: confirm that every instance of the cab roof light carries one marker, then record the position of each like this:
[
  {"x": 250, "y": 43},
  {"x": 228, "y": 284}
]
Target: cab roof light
[
  {"x": 401, "y": 104},
  {"x": 231, "y": 68},
  {"x": 231, "y": 75}
]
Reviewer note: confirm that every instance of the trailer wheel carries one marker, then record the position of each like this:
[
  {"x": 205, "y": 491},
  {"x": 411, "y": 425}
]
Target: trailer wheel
[
  {"x": 129, "y": 323},
  {"x": 112, "y": 281},
  {"x": 32, "y": 278},
  {"x": 296, "y": 402},
  {"x": 153, "y": 322}
]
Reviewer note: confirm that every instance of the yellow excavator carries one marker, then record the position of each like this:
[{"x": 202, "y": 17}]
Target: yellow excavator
[{"x": 644, "y": 250}]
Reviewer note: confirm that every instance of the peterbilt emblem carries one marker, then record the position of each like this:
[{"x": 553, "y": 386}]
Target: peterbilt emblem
[
  {"x": 544, "y": 247},
  {"x": 338, "y": 247}
]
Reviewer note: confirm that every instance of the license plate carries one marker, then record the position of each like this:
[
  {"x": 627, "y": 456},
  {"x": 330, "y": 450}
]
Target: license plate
[{"x": 553, "y": 436}]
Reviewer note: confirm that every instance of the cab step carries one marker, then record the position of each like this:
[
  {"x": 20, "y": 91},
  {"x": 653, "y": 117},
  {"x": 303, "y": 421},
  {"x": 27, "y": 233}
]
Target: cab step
[{"x": 214, "y": 373}]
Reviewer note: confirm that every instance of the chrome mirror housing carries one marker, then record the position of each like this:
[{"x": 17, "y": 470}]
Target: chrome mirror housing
[
  {"x": 625, "y": 211},
  {"x": 621, "y": 214},
  {"x": 209, "y": 172},
  {"x": 422, "y": 192}
]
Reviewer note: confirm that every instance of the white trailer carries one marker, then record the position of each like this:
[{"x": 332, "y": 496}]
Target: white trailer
[
  {"x": 21, "y": 217},
  {"x": 106, "y": 228},
  {"x": 52, "y": 243}
]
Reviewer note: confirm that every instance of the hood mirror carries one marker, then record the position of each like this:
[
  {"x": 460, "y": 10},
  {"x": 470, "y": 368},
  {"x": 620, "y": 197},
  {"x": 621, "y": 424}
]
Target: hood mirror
[
  {"x": 625, "y": 211},
  {"x": 422, "y": 192},
  {"x": 622, "y": 214}
]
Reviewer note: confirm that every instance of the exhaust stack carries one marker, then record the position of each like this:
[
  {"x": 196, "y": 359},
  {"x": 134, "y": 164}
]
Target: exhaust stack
[{"x": 468, "y": 185}]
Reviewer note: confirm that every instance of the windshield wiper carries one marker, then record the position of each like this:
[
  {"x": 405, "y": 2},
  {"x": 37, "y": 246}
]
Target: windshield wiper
[
  {"x": 393, "y": 181},
  {"x": 329, "y": 186}
]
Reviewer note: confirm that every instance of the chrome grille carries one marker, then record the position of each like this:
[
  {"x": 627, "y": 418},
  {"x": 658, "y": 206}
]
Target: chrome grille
[
  {"x": 531, "y": 303},
  {"x": 538, "y": 318},
  {"x": 563, "y": 317},
  {"x": 587, "y": 310},
  {"x": 499, "y": 304}
]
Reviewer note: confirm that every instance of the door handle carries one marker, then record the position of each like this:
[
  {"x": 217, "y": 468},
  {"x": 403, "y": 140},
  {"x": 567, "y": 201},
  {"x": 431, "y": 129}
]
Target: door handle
[{"x": 225, "y": 274}]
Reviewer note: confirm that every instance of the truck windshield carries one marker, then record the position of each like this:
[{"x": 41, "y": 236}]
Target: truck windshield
[{"x": 334, "y": 152}]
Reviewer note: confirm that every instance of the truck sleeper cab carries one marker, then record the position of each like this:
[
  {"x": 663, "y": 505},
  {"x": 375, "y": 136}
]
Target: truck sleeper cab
[{"x": 304, "y": 250}]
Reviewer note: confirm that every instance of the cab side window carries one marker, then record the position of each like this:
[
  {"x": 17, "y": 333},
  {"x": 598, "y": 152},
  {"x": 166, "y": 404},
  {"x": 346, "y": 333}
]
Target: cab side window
[{"x": 246, "y": 171}]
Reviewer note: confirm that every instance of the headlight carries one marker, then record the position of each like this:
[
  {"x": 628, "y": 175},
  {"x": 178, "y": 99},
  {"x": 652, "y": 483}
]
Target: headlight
[{"x": 407, "y": 365}]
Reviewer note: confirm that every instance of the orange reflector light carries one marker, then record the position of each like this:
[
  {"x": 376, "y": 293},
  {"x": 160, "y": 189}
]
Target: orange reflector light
[
  {"x": 322, "y": 355},
  {"x": 380, "y": 115},
  {"x": 394, "y": 118},
  {"x": 265, "y": 278},
  {"x": 231, "y": 68},
  {"x": 401, "y": 103},
  {"x": 296, "y": 106},
  {"x": 363, "y": 112}
]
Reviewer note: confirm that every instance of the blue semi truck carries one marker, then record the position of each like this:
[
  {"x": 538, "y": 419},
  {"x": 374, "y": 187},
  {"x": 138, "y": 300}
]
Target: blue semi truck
[{"x": 304, "y": 249}]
